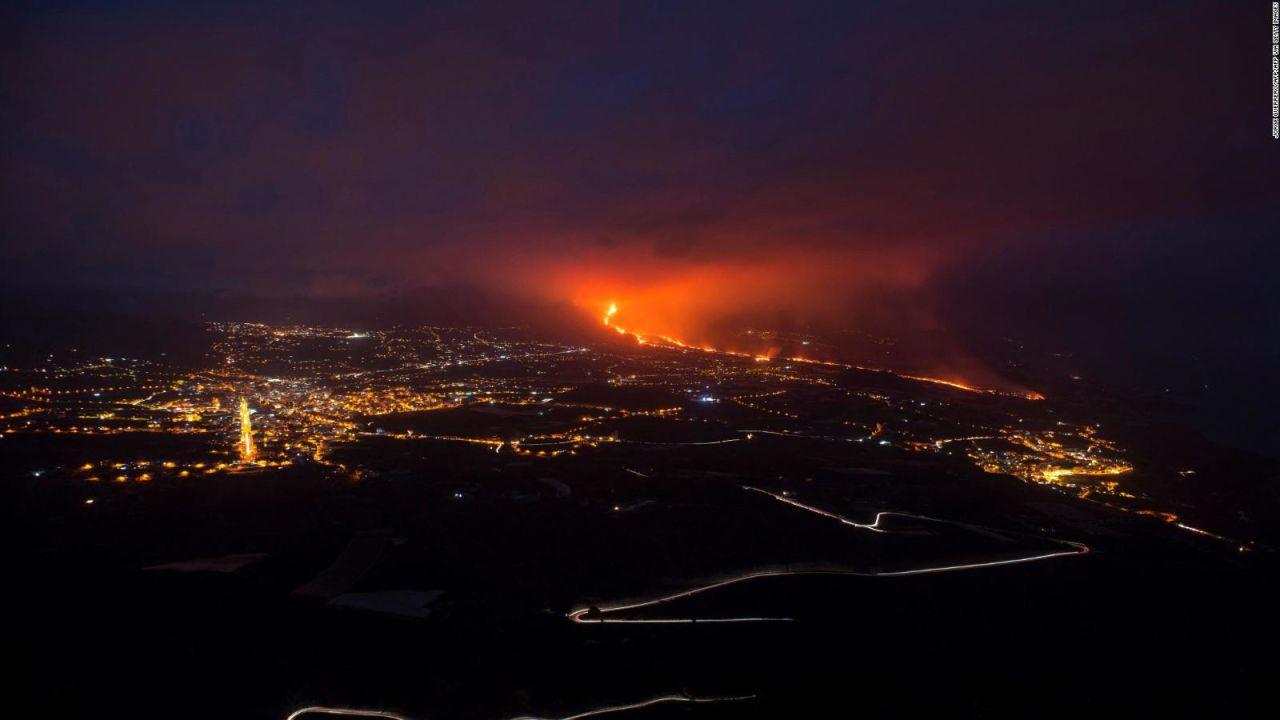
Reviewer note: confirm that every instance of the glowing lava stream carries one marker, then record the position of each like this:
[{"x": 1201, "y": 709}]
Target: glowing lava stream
[
  {"x": 577, "y": 616},
  {"x": 670, "y": 342}
]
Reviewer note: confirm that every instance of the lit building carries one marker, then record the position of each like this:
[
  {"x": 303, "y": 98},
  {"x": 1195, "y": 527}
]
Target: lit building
[{"x": 248, "y": 453}]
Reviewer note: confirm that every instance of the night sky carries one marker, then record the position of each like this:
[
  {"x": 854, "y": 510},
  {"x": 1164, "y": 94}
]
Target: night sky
[{"x": 1098, "y": 175}]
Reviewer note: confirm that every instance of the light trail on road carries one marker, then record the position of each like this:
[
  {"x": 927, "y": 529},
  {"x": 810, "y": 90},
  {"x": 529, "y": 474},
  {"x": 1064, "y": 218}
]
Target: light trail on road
[
  {"x": 579, "y": 615},
  {"x": 350, "y": 712},
  {"x": 344, "y": 712},
  {"x": 642, "y": 704},
  {"x": 874, "y": 526},
  {"x": 802, "y": 436}
]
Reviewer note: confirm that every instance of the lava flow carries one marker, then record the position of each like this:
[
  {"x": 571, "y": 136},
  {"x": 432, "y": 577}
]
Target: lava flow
[{"x": 670, "y": 342}]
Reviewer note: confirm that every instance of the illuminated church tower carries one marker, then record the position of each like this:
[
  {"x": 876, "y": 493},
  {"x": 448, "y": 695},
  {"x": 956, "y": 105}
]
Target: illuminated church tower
[{"x": 248, "y": 453}]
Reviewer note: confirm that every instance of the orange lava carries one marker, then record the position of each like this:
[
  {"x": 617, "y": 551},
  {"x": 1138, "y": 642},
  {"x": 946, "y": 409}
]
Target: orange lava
[{"x": 666, "y": 341}]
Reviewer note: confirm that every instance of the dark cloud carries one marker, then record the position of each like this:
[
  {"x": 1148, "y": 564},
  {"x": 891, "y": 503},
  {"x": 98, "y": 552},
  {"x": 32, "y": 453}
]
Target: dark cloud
[{"x": 813, "y": 158}]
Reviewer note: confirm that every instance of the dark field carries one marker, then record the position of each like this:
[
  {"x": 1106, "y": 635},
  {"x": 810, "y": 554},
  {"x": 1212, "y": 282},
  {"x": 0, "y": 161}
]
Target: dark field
[{"x": 1126, "y": 627}]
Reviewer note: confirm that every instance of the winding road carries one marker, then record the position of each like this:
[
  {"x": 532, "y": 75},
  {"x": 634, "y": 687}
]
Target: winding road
[{"x": 596, "y": 615}]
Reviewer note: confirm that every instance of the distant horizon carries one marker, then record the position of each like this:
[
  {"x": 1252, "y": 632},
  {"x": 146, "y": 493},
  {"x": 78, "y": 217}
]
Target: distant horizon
[{"x": 1213, "y": 405}]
